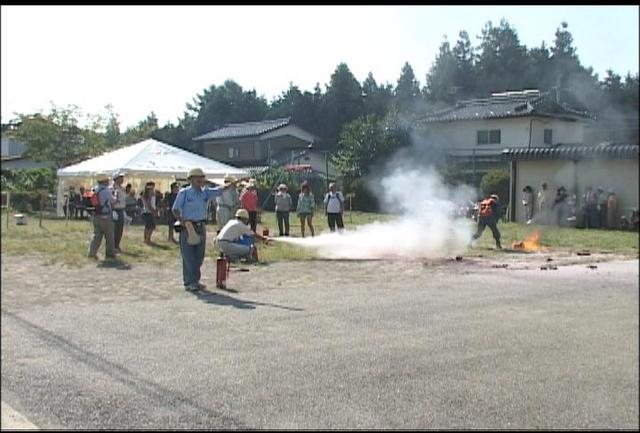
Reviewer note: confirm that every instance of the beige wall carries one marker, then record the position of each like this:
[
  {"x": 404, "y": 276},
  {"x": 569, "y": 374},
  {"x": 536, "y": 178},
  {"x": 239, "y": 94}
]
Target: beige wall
[
  {"x": 514, "y": 132},
  {"x": 619, "y": 175}
]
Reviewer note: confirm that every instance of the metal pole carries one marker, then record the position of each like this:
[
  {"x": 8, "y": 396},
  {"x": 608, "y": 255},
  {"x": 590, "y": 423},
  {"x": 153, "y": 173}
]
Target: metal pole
[{"x": 326, "y": 161}]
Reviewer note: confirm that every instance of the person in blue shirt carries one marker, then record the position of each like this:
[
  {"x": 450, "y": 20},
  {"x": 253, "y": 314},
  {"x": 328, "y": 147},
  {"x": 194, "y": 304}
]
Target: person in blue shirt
[{"x": 191, "y": 206}]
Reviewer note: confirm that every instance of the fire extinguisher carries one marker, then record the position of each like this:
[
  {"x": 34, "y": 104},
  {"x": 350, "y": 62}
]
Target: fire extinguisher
[{"x": 222, "y": 271}]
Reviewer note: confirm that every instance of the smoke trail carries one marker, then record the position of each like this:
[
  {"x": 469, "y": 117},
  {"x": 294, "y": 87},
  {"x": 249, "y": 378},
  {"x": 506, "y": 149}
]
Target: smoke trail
[{"x": 425, "y": 225}]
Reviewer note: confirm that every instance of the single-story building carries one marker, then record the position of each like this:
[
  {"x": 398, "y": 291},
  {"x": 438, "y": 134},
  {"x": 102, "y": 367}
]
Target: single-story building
[{"x": 611, "y": 166}]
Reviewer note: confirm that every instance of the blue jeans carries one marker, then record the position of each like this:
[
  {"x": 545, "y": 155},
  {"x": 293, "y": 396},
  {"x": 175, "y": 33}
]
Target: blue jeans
[{"x": 192, "y": 255}]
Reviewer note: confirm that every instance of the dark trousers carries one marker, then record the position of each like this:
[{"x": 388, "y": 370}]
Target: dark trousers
[
  {"x": 492, "y": 224},
  {"x": 118, "y": 227},
  {"x": 335, "y": 219},
  {"x": 283, "y": 218},
  {"x": 253, "y": 220},
  {"x": 192, "y": 255}
]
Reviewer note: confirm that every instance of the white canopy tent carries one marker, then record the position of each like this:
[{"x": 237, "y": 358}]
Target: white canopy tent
[{"x": 141, "y": 162}]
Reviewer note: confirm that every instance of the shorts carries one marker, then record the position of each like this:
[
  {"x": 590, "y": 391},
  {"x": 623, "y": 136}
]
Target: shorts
[
  {"x": 149, "y": 221},
  {"x": 305, "y": 215}
]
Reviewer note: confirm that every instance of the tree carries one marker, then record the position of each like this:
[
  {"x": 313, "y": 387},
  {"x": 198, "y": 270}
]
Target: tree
[
  {"x": 342, "y": 103},
  {"x": 301, "y": 107},
  {"x": 441, "y": 77},
  {"x": 377, "y": 98},
  {"x": 407, "y": 90},
  {"x": 502, "y": 62},
  {"x": 143, "y": 130},
  {"x": 229, "y": 103},
  {"x": 465, "y": 78},
  {"x": 367, "y": 141},
  {"x": 57, "y": 137}
]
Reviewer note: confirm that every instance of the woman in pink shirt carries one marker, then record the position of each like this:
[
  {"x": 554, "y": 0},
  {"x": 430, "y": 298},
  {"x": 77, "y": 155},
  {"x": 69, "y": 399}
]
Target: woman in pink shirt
[{"x": 249, "y": 202}]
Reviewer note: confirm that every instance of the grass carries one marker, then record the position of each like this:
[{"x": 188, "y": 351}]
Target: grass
[{"x": 67, "y": 242}]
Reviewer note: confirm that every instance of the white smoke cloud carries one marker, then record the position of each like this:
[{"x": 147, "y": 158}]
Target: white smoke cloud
[{"x": 425, "y": 225}]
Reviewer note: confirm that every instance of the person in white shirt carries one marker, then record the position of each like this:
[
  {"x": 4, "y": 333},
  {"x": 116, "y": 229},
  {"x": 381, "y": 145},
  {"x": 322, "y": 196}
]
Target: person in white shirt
[
  {"x": 119, "y": 206},
  {"x": 228, "y": 240},
  {"x": 333, "y": 201}
]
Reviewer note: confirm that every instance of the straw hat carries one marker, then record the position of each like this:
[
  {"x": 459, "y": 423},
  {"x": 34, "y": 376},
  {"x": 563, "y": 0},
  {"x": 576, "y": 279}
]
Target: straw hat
[
  {"x": 195, "y": 172},
  {"x": 228, "y": 178},
  {"x": 102, "y": 177},
  {"x": 282, "y": 186}
]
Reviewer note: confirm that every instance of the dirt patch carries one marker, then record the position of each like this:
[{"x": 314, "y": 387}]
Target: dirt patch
[{"x": 28, "y": 281}]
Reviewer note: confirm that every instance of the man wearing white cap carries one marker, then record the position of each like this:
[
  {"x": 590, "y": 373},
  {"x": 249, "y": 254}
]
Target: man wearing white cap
[
  {"x": 103, "y": 219},
  {"x": 229, "y": 242},
  {"x": 190, "y": 207}
]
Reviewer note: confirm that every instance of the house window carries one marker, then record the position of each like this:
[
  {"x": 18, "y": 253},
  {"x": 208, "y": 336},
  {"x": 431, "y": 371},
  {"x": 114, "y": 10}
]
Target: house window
[
  {"x": 491, "y": 136},
  {"x": 548, "y": 136},
  {"x": 233, "y": 152}
]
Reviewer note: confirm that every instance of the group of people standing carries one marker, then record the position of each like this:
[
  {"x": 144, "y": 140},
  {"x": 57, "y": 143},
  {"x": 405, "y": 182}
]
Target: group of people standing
[{"x": 594, "y": 209}]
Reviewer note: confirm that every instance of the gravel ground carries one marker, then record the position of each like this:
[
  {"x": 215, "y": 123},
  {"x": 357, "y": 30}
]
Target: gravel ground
[{"x": 325, "y": 344}]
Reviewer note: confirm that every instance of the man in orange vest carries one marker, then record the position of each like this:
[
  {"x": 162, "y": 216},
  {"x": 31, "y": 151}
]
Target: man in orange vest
[{"x": 488, "y": 216}]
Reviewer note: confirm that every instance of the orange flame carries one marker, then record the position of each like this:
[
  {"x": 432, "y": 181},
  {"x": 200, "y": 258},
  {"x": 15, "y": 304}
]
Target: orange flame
[{"x": 529, "y": 244}]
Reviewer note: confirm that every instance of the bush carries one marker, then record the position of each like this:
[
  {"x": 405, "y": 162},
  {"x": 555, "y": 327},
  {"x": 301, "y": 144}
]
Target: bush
[
  {"x": 496, "y": 182},
  {"x": 25, "y": 201}
]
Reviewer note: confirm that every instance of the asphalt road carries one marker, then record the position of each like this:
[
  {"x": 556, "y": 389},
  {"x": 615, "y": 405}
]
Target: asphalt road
[{"x": 329, "y": 345}]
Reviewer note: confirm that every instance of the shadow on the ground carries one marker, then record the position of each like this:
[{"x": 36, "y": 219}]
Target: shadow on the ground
[
  {"x": 115, "y": 264},
  {"x": 221, "y": 299}
]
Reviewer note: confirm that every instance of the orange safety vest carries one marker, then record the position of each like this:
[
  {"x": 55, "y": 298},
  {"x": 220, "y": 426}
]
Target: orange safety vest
[{"x": 486, "y": 207}]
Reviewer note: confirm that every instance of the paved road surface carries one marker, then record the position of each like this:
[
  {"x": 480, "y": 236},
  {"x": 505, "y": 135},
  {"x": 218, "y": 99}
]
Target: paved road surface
[{"x": 324, "y": 345}]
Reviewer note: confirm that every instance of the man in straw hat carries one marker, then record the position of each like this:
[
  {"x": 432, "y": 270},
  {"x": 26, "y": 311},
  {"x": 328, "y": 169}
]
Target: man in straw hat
[
  {"x": 227, "y": 202},
  {"x": 190, "y": 206},
  {"x": 229, "y": 240},
  {"x": 103, "y": 220}
]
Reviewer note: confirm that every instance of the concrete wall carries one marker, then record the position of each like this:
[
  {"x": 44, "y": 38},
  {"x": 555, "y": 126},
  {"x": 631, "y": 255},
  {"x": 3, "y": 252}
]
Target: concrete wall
[
  {"x": 619, "y": 175},
  {"x": 514, "y": 132}
]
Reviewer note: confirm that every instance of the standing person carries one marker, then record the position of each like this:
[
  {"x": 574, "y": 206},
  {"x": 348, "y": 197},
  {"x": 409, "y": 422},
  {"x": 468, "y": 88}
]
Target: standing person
[
  {"x": 602, "y": 208},
  {"x": 590, "y": 200},
  {"x": 544, "y": 203},
  {"x": 229, "y": 242},
  {"x": 103, "y": 220},
  {"x": 284, "y": 203},
  {"x": 527, "y": 202},
  {"x": 149, "y": 211},
  {"x": 305, "y": 208},
  {"x": 489, "y": 214},
  {"x": 171, "y": 219},
  {"x": 119, "y": 206},
  {"x": 334, "y": 207},
  {"x": 190, "y": 206},
  {"x": 82, "y": 202},
  {"x": 612, "y": 210},
  {"x": 227, "y": 202},
  {"x": 560, "y": 206},
  {"x": 249, "y": 202}
]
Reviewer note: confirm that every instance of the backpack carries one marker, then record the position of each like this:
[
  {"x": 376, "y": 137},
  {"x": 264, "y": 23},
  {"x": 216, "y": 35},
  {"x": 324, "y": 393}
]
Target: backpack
[
  {"x": 486, "y": 207},
  {"x": 95, "y": 201}
]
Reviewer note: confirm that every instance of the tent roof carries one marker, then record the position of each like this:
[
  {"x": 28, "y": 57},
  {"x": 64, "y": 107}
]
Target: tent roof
[{"x": 150, "y": 156}]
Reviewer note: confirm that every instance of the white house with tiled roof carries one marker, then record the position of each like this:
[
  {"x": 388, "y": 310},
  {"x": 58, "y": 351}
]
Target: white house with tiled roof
[{"x": 484, "y": 127}]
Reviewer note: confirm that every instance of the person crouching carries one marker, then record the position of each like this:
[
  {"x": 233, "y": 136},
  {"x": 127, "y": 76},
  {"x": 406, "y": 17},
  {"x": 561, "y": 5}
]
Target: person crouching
[{"x": 229, "y": 240}]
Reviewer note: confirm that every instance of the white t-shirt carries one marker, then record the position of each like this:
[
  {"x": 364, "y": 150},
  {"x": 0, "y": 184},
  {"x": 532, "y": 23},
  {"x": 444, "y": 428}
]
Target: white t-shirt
[
  {"x": 233, "y": 230},
  {"x": 333, "y": 202}
]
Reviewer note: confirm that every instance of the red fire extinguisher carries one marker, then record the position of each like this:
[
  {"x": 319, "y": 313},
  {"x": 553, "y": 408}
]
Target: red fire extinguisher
[{"x": 222, "y": 271}]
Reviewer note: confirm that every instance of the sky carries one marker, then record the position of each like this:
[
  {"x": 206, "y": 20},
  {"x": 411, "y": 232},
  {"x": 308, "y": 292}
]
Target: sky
[{"x": 140, "y": 59}]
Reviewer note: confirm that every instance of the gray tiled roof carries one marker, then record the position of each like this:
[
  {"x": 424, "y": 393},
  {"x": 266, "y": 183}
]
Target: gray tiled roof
[
  {"x": 505, "y": 105},
  {"x": 248, "y": 129},
  {"x": 574, "y": 152}
]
